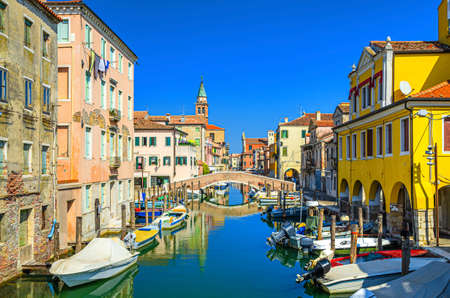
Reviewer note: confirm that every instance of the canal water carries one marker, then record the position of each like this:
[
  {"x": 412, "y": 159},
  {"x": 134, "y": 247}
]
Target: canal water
[{"x": 211, "y": 256}]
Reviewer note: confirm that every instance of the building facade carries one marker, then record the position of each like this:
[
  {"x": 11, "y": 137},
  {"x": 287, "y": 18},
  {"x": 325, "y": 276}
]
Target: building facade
[
  {"x": 383, "y": 148},
  {"x": 95, "y": 122},
  {"x": 290, "y": 136},
  {"x": 162, "y": 154},
  {"x": 249, "y": 145},
  {"x": 28, "y": 81}
]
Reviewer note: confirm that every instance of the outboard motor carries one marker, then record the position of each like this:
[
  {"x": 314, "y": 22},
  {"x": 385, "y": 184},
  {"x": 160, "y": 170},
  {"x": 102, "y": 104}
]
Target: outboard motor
[
  {"x": 322, "y": 268},
  {"x": 289, "y": 229},
  {"x": 307, "y": 244}
]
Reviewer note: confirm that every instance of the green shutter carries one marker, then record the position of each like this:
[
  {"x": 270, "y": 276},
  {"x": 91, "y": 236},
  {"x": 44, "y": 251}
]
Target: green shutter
[{"x": 136, "y": 141}]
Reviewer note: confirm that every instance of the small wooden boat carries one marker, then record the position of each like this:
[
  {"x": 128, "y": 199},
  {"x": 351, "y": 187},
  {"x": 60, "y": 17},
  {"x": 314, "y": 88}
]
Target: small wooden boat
[
  {"x": 431, "y": 280},
  {"x": 102, "y": 258},
  {"x": 140, "y": 237},
  {"x": 350, "y": 278},
  {"x": 376, "y": 255},
  {"x": 345, "y": 243},
  {"x": 170, "y": 219}
]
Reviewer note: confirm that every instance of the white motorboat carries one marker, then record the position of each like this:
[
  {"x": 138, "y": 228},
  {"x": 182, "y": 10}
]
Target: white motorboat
[
  {"x": 169, "y": 220},
  {"x": 350, "y": 278},
  {"x": 102, "y": 258},
  {"x": 345, "y": 243}
]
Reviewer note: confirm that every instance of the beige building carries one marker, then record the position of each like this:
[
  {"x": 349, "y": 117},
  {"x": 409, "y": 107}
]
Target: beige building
[
  {"x": 28, "y": 81},
  {"x": 290, "y": 136}
]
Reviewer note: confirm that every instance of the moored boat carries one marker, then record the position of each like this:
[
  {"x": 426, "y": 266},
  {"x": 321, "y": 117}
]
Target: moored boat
[
  {"x": 102, "y": 258},
  {"x": 364, "y": 243},
  {"x": 375, "y": 255},
  {"x": 170, "y": 219},
  {"x": 141, "y": 237}
]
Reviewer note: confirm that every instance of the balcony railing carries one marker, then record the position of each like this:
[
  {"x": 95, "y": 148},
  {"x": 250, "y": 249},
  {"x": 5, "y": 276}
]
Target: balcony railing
[
  {"x": 114, "y": 115},
  {"x": 114, "y": 162}
]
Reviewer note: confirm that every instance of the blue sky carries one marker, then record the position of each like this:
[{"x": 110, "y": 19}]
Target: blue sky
[{"x": 261, "y": 60}]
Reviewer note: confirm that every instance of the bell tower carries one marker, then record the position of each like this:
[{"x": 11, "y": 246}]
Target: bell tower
[{"x": 201, "y": 106}]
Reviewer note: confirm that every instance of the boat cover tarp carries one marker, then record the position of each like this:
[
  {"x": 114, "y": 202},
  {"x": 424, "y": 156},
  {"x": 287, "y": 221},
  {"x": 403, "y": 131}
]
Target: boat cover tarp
[
  {"x": 100, "y": 252},
  {"x": 372, "y": 268},
  {"x": 432, "y": 280}
]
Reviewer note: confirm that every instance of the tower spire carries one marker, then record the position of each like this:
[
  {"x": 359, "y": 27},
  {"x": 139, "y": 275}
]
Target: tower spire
[{"x": 201, "y": 106}]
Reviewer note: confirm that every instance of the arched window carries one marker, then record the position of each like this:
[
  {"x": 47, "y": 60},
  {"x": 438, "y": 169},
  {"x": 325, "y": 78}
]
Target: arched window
[{"x": 203, "y": 110}]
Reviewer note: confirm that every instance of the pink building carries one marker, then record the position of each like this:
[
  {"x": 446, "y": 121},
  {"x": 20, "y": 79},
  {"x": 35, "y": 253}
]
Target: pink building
[
  {"x": 163, "y": 155},
  {"x": 95, "y": 164}
]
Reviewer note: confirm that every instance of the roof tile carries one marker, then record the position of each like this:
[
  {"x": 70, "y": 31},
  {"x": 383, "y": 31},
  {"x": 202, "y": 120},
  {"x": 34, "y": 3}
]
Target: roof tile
[
  {"x": 441, "y": 90},
  {"x": 411, "y": 46}
]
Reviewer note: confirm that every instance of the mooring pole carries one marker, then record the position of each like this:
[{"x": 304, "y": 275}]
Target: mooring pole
[
  {"x": 360, "y": 221},
  {"x": 79, "y": 226},
  {"x": 354, "y": 244},
  {"x": 132, "y": 216},
  {"x": 319, "y": 229},
  {"x": 333, "y": 232},
  {"x": 380, "y": 232},
  {"x": 56, "y": 242},
  {"x": 124, "y": 221}
]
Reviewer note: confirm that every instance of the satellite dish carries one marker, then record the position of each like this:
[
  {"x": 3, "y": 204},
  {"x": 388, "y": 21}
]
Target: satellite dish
[{"x": 405, "y": 88}]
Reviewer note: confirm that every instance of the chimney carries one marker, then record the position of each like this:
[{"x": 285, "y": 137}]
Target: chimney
[
  {"x": 286, "y": 120},
  {"x": 318, "y": 115}
]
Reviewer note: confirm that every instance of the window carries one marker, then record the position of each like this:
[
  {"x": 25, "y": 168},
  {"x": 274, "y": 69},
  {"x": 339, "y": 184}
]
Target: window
[
  {"x": 103, "y": 48},
  {"x": 250, "y": 147},
  {"x": 355, "y": 103},
  {"x": 111, "y": 144},
  {"x": 140, "y": 162},
  {"x": 28, "y": 93},
  {"x": 153, "y": 160},
  {"x": 370, "y": 142},
  {"x": 112, "y": 99},
  {"x": 130, "y": 71},
  {"x": 129, "y": 149},
  {"x": 340, "y": 148},
  {"x": 363, "y": 145},
  {"x": 45, "y": 44},
  {"x": 63, "y": 83},
  {"x": 354, "y": 145},
  {"x": 3, "y": 84},
  {"x": 379, "y": 141},
  {"x": 347, "y": 147},
  {"x": 87, "y": 36},
  {"x": 284, "y": 151},
  {"x": 136, "y": 141},
  {"x": 102, "y": 193},
  {"x": 366, "y": 97},
  {"x": 103, "y": 145},
  {"x": 152, "y": 141},
  {"x": 181, "y": 160},
  {"x": 46, "y": 99},
  {"x": 166, "y": 161},
  {"x": 197, "y": 142},
  {"x": 87, "y": 197},
  {"x": 129, "y": 108},
  {"x": 120, "y": 147},
  {"x": 129, "y": 190},
  {"x": 211, "y": 136},
  {"x": 45, "y": 217},
  {"x": 120, "y": 191},
  {"x": 446, "y": 133},
  {"x": 2, "y": 22},
  {"x": 197, "y": 129},
  {"x": 88, "y": 88},
  {"x": 63, "y": 31},
  {"x": 120, "y": 102},
  {"x": 27, "y": 35},
  {"x": 404, "y": 135},
  {"x": 24, "y": 226},
  {"x": 144, "y": 141},
  {"x": 103, "y": 95},
  {"x": 120, "y": 62},
  {"x": 380, "y": 90},
  {"x": 44, "y": 160},
  {"x": 284, "y": 134},
  {"x": 27, "y": 158},
  {"x": 112, "y": 55},
  {"x": 304, "y": 133},
  {"x": 388, "y": 138},
  {"x": 88, "y": 143},
  {"x": 62, "y": 135},
  {"x": 167, "y": 141},
  {"x": 3, "y": 153}
]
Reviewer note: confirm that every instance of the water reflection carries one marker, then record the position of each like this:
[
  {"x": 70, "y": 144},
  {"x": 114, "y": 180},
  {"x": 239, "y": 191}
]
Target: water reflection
[{"x": 234, "y": 194}]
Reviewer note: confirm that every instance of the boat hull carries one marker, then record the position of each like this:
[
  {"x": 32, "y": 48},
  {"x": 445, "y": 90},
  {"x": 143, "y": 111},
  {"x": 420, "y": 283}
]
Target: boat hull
[
  {"x": 174, "y": 224},
  {"x": 81, "y": 278}
]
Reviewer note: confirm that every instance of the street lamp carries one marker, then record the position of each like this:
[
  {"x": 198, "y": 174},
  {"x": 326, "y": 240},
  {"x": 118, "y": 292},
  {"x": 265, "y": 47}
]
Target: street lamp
[{"x": 431, "y": 153}]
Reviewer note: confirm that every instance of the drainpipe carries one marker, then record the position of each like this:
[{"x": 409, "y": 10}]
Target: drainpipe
[{"x": 411, "y": 162}]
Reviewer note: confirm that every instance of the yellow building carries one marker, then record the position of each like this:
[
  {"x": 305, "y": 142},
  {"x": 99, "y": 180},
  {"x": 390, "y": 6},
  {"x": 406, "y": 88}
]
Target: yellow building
[{"x": 399, "y": 101}]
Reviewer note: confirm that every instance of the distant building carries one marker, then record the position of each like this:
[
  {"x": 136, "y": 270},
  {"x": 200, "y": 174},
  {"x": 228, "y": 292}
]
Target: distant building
[
  {"x": 28, "y": 89},
  {"x": 235, "y": 161},
  {"x": 248, "y": 147},
  {"x": 162, "y": 154},
  {"x": 290, "y": 136}
]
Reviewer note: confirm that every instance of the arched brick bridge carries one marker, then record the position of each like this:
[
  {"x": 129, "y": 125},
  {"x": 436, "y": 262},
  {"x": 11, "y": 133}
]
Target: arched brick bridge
[{"x": 256, "y": 181}]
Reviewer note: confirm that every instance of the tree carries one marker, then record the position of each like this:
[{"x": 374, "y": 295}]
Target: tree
[{"x": 206, "y": 169}]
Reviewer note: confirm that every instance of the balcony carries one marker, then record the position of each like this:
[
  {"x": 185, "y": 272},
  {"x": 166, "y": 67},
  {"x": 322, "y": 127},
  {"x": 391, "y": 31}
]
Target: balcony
[
  {"x": 114, "y": 162},
  {"x": 114, "y": 115}
]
